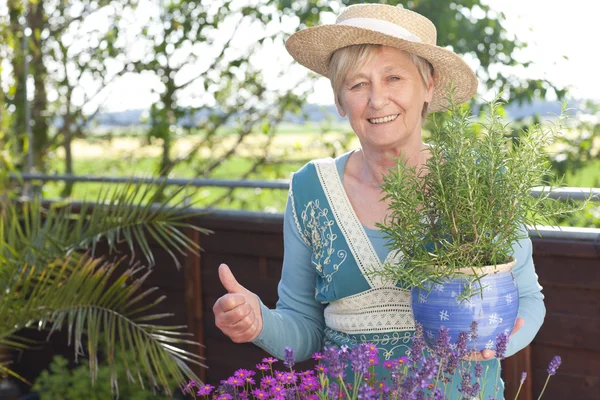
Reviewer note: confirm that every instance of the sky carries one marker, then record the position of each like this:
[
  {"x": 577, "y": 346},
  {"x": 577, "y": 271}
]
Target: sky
[
  {"x": 562, "y": 37},
  {"x": 554, "y": 29}
]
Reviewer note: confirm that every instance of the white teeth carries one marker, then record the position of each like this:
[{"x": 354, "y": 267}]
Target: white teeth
[{"x": 383, "y": 120}]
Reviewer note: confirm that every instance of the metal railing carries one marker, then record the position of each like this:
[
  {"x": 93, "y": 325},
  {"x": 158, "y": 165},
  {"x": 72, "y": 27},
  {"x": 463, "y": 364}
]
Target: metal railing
[{"x": 562, "y": 194}]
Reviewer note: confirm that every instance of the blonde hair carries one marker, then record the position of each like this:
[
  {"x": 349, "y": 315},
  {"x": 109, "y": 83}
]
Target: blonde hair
[{"x": 353, "y": 57}]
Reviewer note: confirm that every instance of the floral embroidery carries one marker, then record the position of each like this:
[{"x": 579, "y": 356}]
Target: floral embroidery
[
  {"x": 318, "y": 231},
  {"x": 391, "y": 345}
]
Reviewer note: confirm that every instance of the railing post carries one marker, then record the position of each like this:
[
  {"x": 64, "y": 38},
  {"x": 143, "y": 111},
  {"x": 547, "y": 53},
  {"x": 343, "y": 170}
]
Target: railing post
[
  {"x": 514, "y": 366},
  {"x": 194, "y": 301}
]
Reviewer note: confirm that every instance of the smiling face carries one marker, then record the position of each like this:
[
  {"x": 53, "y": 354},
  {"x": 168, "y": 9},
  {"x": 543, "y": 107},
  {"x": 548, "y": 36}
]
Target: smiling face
[{"x": 384, "y": 98}]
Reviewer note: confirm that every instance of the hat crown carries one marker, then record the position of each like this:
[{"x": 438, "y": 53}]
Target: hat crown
[{"x": 409, "y": 20}]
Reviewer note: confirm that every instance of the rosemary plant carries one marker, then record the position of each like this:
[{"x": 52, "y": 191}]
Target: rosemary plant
[{"x": 470, "y": 202}]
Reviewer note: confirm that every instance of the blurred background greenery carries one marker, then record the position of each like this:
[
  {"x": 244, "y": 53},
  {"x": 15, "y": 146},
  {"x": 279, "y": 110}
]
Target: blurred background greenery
[{"x": 221, "y": 97}]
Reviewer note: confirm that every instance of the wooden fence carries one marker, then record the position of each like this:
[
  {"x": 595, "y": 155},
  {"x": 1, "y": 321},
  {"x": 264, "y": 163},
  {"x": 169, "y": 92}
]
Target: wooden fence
[{"x": 252, "y": 245}]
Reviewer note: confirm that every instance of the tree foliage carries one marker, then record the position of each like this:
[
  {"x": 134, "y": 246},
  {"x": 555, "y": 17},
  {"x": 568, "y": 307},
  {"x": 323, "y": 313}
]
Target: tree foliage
[{"x": 189, "y": 51}]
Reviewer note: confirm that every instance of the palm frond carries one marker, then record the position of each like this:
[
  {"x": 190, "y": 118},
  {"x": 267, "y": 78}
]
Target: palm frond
[
  {"x": 132, "y": 213},
  {"x": 92, "y": 300}
]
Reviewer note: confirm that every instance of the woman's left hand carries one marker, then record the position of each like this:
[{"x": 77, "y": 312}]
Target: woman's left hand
[{"x": 489, "y": 354}]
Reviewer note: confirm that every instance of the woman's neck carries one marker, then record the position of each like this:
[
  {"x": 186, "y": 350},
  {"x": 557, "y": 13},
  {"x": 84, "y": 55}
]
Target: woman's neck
[{"x": 374, "y": 164}]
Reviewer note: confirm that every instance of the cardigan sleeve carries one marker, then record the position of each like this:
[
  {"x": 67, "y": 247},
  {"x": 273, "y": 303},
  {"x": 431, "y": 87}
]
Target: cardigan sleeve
[
  {"x": 298, "y": 320},
  {"x": 531, "y": 299}
]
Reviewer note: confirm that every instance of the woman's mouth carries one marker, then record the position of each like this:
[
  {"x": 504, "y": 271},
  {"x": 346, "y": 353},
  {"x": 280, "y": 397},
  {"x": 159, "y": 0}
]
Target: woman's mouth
[{"x": 383, "y": 120}]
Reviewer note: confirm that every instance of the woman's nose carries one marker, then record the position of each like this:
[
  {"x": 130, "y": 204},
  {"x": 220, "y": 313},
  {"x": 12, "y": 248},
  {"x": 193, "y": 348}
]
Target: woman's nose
[{"x": 379, "y": 97}]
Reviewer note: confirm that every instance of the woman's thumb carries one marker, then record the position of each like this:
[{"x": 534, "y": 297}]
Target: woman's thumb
[{"x": 228, "y": 280}]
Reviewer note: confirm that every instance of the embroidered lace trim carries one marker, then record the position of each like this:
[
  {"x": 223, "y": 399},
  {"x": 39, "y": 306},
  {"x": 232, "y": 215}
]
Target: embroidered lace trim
[
  {"x": 373, "y": 311},
  {"x": 352, "y": 229},
  {"x": 390, "y": 345},
  {"x": 291, "y": 199}
]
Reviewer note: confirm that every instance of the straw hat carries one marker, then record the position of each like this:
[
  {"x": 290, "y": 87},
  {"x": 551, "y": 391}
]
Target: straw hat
[{"x": 390, "y": 26}]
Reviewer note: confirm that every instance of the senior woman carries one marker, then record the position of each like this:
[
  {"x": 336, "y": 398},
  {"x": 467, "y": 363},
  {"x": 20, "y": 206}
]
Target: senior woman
[{"x": 387, "y": 74}]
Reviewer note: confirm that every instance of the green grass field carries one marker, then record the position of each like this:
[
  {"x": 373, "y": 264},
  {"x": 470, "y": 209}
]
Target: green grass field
[{"x": 124, "y": 157}]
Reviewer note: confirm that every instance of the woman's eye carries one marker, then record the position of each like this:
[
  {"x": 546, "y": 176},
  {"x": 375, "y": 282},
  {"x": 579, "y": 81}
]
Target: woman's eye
[
  {"x": 394, "y": 78},
  {"x": 360, "y": 84}
]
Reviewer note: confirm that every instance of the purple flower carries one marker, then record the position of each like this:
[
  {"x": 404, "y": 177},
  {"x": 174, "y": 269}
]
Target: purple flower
[
  {"x": 523, "y": 377},
  {"x": 310, "y": 383},
  {"x": 190, "y": 386},
  {"x": 235, "y": 381},
  {"x": 260, "y": 394},
  {"x": 554, "y": 364},
  {"x": 320, "y": 368},
  {"x": 478, "y": 370},
  {"x": 243, "y": 373},
  {"x": 461, "y": 344},
  {"x": 289, "y": 357},
  {"x": 438, "y": 395},
  {"x": 362, "y": 357},
  {"x": 277, "y": 390},
  {"x": 473, "y": 333},
  {"x": 288, "y": 378},
  {"x": 501, "y": 342},
  {"x": 267, "y": 381},
  {"x": 366, "y": 392},
  {"x": 205, "y": 390},
  {"x": 336, "y": 361},
  {"x": 262, "y": 367},
  {"x": 317, "y": 356},
  {"x": 270, "y": 360},
  {"x": 417, "y": 346},
  {"x": 224, "y": 396},
  {"x": 465, "y": 385},
  {"x": 442, "y": 348}
]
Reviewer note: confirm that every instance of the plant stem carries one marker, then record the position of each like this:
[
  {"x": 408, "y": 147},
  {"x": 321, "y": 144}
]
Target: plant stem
[
  {"x": 545, "y": 384},
  {"x": 518, "y": 391},
  {"x": 344, "y": 386}
]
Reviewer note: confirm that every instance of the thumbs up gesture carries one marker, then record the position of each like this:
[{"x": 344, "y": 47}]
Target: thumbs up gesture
[{"x": 237, "y": 313}]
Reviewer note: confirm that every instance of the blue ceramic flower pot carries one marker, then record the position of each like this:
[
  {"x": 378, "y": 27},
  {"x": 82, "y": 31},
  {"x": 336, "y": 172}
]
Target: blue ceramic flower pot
[{"x": 495, "y": 312}]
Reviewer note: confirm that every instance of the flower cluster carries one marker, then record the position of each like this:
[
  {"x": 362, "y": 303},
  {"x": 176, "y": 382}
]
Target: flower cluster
[{"x": 349, "y": 373}]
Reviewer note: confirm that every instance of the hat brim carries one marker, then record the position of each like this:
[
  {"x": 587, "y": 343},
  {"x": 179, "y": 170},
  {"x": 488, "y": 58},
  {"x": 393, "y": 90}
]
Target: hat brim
[{"x": 312, "y": 47}]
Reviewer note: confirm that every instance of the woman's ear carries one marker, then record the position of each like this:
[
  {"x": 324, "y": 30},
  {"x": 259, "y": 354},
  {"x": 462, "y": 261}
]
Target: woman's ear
[
  {"x": 429, "y": 92},
  {"x": 339, "y": 107}
]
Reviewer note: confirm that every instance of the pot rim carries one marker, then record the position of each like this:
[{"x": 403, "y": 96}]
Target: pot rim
[{"x": 489, "y": 269}]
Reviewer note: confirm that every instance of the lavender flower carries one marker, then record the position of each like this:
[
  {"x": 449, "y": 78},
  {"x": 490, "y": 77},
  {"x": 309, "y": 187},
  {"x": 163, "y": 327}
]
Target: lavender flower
[
  {"x": 478, "y": 370},
  {"x": 465, "y": 385},
  {"x": 438, "y": 395},
  {"x": 452, "y": 363},
  {"x": 473, "y": 333},
  {"x": 366, "y": 392},
  {"x": 461, "y": 344},
  {"x": 335, "y": 361},
  {"x": 418, "y": 345},
  {"x": 501, "y": 342},
  {"x": 333, "y": 390},
  {"x": 554, "y": 364},
  {"x": 523, "y": 377},
  {"x": 420, "y": 395},
  {"x": 442, "y": 348},
  {"x": 289, "y": 357}
]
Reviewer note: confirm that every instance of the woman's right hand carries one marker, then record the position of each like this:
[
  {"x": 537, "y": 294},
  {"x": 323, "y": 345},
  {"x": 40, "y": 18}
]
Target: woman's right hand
[{"x": 237, "y": 313}]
